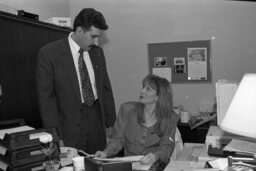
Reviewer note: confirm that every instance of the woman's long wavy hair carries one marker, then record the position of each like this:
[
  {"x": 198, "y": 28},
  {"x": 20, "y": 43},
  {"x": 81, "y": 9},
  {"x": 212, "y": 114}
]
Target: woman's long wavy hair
[{"x": 163, "y": 105}]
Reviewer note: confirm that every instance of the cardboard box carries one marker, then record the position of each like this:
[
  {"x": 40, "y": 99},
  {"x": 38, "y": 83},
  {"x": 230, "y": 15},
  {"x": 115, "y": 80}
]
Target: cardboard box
[{"x": 60, "y": 21}]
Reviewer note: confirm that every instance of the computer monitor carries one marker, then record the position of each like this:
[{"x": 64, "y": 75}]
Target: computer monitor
[{"x": 225, "y": 91}]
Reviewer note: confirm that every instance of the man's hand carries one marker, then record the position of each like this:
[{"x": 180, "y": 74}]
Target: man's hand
[
  {"x": 148, "y": 159},
  {"x": 101, "y": 154}
]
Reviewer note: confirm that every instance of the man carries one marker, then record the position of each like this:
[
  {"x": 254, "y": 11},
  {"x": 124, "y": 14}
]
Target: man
[{"x": 80, "y": 109}]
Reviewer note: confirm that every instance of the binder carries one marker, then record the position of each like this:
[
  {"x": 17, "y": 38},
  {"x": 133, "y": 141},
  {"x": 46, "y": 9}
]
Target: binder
[
  {"x": 36, "y": 166},
  {"x": 33, "y": 167},
  {"x": 22, "y": 150},
  {"x": 26, "y": 139},
  {"x": 27, "y": 156}
]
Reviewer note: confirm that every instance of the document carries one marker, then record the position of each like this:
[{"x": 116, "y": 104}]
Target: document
[
  {"x": 140, "y": 166},
  {"x": 241, "y": 146},
  {"x": 197, "y": 63},
  {"x": 220, "y": 163},
  {"x": 14, "y": 130},
  {"x": 165, "y": 72},
  {"x": 3, "y": 150},
  {"x": 3, "y": 166},
  {"x": 122, "y": 159}
]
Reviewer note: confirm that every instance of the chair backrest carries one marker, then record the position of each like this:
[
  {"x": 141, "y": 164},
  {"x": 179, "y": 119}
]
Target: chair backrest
[{"x": 178, "y": 145}]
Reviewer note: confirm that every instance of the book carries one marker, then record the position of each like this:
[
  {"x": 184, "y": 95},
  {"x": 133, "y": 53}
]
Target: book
[
  {"x": 201, "y": 119},
  {"x": 236, "y": 145}
]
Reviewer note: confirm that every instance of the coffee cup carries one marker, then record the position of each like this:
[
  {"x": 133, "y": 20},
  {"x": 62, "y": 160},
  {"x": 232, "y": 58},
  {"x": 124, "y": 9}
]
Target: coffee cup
[
  {"x": 78, "y": 163},
  {"x": 184, "y": 116}
]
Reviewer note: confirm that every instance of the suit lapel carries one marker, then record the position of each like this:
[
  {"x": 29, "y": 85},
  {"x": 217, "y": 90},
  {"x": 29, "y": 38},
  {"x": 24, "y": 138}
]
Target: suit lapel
[
  {"x": 95, "y": 57},
  {"x": 69, "y": 67}
]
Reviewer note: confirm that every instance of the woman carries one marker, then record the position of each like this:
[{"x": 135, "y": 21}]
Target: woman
[{"x": 146, "y": 127}]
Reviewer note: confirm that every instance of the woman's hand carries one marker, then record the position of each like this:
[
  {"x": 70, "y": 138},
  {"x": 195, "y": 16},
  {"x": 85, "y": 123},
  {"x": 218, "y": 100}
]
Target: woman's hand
[
  {"x": 101, "y": 154},
  {"x": 148, "y": 159}
]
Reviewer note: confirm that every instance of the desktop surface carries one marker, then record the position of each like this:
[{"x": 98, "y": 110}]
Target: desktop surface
[
  {"x": 193, "y": 155},
  {"x": 93, "y": 165}
]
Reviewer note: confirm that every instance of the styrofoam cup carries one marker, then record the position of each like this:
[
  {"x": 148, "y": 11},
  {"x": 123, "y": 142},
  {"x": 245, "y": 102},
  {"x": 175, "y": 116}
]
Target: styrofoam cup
[
  {"x": 185, "y": 117},
  {"x": 78, "y": 163}
]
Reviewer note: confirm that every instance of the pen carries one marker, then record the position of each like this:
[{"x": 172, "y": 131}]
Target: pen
[
  {"x": 244, "y": 163},
  {"x": 86, "y": 154},
  {"x": 243, "y": 158}
]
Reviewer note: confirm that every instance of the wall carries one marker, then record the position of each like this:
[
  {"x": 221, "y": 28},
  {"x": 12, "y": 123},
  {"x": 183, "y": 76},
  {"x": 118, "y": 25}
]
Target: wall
[
  {"x": 44, "y": 8},
  {"x": 230, "y": 25}
]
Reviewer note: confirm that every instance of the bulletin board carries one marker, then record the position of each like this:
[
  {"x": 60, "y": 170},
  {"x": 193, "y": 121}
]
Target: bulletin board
[{"x": 181, "y": 62}]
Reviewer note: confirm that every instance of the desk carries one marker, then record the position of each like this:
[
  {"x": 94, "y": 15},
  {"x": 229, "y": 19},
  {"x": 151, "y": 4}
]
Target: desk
[
  {"x": 182, "y": 165},
  {"x": 158, "y": 166}
]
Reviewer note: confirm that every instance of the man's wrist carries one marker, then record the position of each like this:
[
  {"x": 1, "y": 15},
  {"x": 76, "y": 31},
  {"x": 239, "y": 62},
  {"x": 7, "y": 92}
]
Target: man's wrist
[{"x": 106, "y": 153}]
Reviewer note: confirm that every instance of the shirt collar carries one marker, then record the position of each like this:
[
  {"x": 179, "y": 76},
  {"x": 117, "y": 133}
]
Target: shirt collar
[{"x": 74, "y": 46}]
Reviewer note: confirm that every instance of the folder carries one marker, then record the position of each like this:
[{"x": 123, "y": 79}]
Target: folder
[{"x": 94, "y": 165}]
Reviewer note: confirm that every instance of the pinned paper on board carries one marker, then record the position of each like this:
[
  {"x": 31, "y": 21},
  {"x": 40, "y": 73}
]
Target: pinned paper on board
[
  {"x": 179, "y": 65},
  {"x": 197, "y": 63},
  {"x": 160, "y": 61},
  {"x": 163, "y": 72}
]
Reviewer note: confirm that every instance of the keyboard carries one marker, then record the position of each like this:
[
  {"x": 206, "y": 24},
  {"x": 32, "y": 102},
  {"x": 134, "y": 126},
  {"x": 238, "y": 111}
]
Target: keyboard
[{"x": 190, "y": 152}]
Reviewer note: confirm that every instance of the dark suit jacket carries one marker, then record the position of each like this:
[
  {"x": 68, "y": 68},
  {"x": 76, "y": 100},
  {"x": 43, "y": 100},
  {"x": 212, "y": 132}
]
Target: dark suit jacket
[{"x": 58, "y": 89}]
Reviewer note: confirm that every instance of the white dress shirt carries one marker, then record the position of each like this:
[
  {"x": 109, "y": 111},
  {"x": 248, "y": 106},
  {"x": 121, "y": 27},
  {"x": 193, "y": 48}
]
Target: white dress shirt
[{"x": 75, "y": 53}]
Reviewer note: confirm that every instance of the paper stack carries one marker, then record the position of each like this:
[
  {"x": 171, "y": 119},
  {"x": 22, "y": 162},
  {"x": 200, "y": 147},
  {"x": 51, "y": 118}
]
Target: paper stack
[{"x": 241, "y": 146}]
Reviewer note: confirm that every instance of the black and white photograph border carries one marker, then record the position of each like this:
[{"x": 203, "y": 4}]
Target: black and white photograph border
[{"x": 160, "y": 61}]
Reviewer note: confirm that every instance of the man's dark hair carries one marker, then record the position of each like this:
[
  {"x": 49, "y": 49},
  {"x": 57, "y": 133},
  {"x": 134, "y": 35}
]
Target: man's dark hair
[{"x": 88, "y": 17}]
